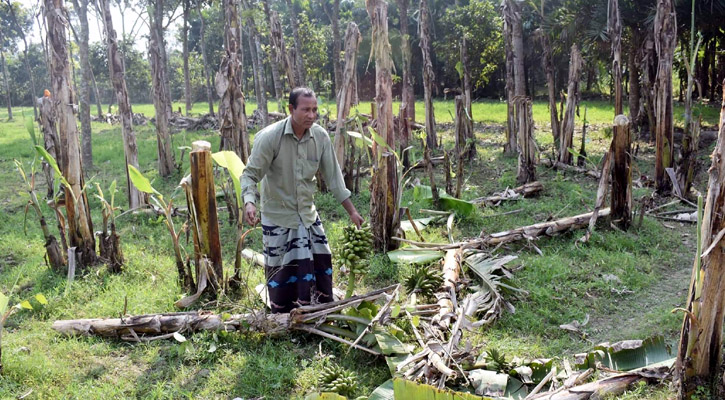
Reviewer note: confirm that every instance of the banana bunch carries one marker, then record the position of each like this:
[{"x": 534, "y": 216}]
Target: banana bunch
[
  {"x": 423, "y": 279},
  {"x": 356, "y": 246},
  {"x": 336, "y": 379}
]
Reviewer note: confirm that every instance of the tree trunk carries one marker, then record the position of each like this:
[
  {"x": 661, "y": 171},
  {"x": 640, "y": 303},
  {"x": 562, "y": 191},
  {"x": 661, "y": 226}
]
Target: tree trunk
[
  {"x": 633, "y": 66},
  {"x": 527, "y": 148},
  {"x": 81, "y": 7},
  {"x": 406, "y": 113},
  {"x": 336, "y": 45},
  {"x": 277, "y": 39},
  {"x": 385, "y": 193},
  {"x": 80, "y": 226},
  {"x": 467, "y": 91},
  {"x": 507, "y": 14},
  {"x": 51, "y": 142},
  {"x": 232, "y": 116},
  {"x": 428, "y": 75},
  {"x": 8, "y": 96},
  {"x": 161, "y": 97},
  {"x": 572, "y": 99},
  {"x": 299, "y": 64},
  {"x": 346, "y": 99},
  {"x": 118, "y": 78},
  {"x": 699, "y": 357},
  {"x": 548, "y": 65},
  {"x": 205, "y": 215},
  {"x": 207, "y": 68},
  {"x": 688, "y": 150},
  {"x": 665, "y": 34},
  {"x": 462, "y": 141},
  {"x": 621, "y": 152},
  {"x": 260, "y": 88},
  {"x": 274, "y": 63},
  {"x": 185, "y": 56}
]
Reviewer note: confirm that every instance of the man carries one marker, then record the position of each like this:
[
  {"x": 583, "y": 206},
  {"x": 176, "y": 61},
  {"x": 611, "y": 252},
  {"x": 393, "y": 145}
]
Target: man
[{"x": 285, "y": 158}]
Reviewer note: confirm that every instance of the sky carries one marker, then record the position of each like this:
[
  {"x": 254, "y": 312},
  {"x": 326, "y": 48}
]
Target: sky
[{"x": 132, "y": 21}]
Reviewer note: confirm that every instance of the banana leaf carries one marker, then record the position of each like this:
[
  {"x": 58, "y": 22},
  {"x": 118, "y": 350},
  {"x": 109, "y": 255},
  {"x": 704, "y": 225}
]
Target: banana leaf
[
  {"x": 403, "y": 256},
  {"x": 489, "y": 383},
  {"x": 405, "y": 389},
  {"x": 383, "y": 392},
  {"x": 390, "y": 344},
  {"x": 632, "y": 354},
  {"x": 421, "y": 223},
  {"x": 625, "y": 355},
  {"x": 424, "y": 193}
]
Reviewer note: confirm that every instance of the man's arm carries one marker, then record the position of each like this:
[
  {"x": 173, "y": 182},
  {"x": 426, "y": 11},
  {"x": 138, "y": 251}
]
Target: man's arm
[
  {"x": 355, "y": 217},
  {"x": 257, "y": 166}
]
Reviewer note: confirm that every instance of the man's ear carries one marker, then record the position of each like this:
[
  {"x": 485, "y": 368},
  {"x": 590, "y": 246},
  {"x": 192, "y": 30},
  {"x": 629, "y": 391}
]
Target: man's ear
[{"x": 290, "y": 107}]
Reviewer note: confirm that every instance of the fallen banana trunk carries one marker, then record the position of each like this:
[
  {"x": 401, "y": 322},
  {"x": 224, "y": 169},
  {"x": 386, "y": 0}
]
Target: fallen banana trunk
[
  {"x": 566, "y": 167},
  {"x": 606, "y": 387},
  {"x": 530, "y": 232},
  {"x": 144, "y": 328},
  {"x": 528, "y": 190}
]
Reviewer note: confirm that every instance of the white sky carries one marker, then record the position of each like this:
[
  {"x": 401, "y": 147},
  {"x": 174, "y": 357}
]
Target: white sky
[{"x": 133, "y": 23}]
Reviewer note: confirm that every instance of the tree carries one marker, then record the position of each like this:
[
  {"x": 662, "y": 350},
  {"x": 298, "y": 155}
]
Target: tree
[
  {"x": 406, "y": 112},
  {"x": 118, "y": 77},
  {"x": 185, "y": 50},
  {"x": 566, "y": 138},
  {"x": 428, "y": 75},
  {"x": 385, "y": 191},
  {"x": 81, "y": 9},
  {"x": 299, "y": 64},
  {"x": 274, "y": 60},
  {"x": 508, "y": 21},
  {"x": 255, "y": 49},
  {"x": 80, "y": 226},
  {"x": 162, "y": 102},
  {"x": 665, "y": 36},
  {"x": 21, "y": 28},
  {"x": 699, "y": 357},
  {"x": 232, "y": 116},
  {"x": 348, "y": 95},
  {"x": 207, "y": 73}
]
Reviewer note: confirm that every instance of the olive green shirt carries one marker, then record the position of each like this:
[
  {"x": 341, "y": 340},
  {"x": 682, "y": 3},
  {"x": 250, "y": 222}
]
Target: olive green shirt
[{"x": 286, "y": 166}]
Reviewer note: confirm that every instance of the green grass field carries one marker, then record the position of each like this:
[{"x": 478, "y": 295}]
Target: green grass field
[{"x": 568, "y": 282}]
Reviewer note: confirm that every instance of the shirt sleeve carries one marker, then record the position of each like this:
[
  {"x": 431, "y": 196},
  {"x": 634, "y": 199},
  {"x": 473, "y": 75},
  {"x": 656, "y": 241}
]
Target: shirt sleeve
[
  {"x": 332, "y": 173},
  {"x": 257, "y": 166}
]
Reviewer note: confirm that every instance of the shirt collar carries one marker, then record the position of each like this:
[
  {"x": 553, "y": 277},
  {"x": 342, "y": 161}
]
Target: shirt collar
[{"x": 289, "y": 131}]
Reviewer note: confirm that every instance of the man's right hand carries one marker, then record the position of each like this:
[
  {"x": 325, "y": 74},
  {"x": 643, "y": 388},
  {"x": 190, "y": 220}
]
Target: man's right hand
[{"x": 250, "y": 214}]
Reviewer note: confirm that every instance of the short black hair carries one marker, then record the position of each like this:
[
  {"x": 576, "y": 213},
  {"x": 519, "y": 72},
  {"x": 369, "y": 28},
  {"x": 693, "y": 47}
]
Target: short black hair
[{"x": 297, "y": 92}]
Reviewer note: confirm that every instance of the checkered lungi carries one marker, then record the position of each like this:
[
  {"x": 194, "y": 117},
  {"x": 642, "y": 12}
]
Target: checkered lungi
[{"x": 298, "y": 266}]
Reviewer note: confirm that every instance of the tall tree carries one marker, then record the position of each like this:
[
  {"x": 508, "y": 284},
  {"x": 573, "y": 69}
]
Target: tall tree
[
  {"x": 186, "y": 8},
  {"x": 232, "y": 116},
  {"x": 385, "y": 192},
  {"x": 548, "y": 65},
  {"x": 255, "y": 49},
  {"x": 6, "y": 79},
  {"x": 406, "y": 113},
  {"x": 81, "y": 9},
  {"x": 665, "y": 37},
  {"x": 348, "y": 94},
  {"x": 428, "y": 75},
  {"x": 162, "y": 102},
  {"x": 299, "y": 64},
  {"x": 118, "y": 79},
  {"x": 207, "y": 72},
  {"x": 274, "y": 61},
  {"x": 699, "y": 358},
  {"x": 566, "y": 138},
  {"x": 508, "y": 20},
  {"x": 621, "y": 213},
  {"x": 467, "y": 92},
  {"x": 80, "y": 226},
  {"x": 284, "y": 58}
]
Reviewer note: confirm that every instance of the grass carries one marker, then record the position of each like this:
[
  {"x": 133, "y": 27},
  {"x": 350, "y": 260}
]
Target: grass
[{"x": 566, "y": 283}]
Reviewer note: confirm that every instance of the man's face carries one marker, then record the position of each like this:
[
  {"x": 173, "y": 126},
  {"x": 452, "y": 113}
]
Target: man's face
[{"x": 305, "y": 114}]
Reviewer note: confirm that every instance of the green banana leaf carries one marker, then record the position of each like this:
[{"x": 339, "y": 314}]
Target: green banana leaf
[
  {"x": 403, "y": 256},
  {"x": 421, "y": 223},
  {"x": 383, "y": 392},
  {"x": 625, "y": 355},
  {"x": 405, "y": 389},
  {"x": 447, "y": 203}
]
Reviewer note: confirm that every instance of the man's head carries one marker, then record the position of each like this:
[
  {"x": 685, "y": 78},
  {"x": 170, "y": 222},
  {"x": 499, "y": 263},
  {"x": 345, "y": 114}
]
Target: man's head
[{"x": 303, "y": 107}]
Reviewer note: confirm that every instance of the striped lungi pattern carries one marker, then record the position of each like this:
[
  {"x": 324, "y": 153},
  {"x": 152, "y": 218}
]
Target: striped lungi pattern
[{"x": 298, "y": 265}]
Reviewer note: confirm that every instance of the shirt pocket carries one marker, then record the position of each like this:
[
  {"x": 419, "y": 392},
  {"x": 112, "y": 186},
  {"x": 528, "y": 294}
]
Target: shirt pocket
[{"x": 309, "y": 169}]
